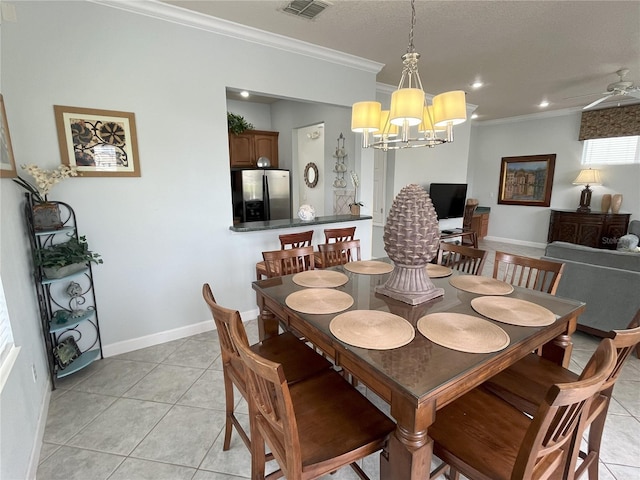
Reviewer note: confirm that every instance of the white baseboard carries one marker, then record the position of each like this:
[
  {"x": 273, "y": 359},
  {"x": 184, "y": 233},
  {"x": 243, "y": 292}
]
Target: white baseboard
[
  {"x": 516, "y": 242},
  {"x": 39, "y": 436},
  {"x": 130, "y": 345}
]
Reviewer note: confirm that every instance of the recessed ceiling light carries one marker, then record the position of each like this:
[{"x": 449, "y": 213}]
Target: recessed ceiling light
[
  {"x": 544, "y": 104},
  {"x": 474, "y": 116},
  {"x": 477, "y": 84},
  {"x": 244, "y": 94}
]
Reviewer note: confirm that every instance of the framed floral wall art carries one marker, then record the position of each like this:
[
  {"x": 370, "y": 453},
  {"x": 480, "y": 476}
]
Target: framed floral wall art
[
  {"x": 527, "y": 180},
  {"x": 101, "y": 143},
  {"x": 7, "y": 162}
]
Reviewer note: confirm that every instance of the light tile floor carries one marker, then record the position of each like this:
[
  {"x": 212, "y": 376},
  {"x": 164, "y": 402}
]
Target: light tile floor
[{"x": 158, "y": 413}]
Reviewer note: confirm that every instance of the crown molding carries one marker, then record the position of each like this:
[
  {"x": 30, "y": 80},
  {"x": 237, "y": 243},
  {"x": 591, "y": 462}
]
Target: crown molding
[
  {"x": 531, "y": 116},
  {"x": 191, "y": 19}
]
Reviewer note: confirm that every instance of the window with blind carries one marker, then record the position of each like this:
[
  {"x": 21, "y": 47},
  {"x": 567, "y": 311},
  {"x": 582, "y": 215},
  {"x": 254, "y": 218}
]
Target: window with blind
[
  {"x": 611, "y": 151},
  {"x": 8, "y": 352}
]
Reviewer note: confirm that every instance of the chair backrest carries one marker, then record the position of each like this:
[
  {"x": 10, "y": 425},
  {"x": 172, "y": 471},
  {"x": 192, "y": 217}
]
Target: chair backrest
[
  {"x": 286, "y": 262},
  {"x": 534, "y": 273},
  {"x": 466, "y": 259},
  {"x": 339, "y": 234},
  {"x": 339, "y": 253},
  {"x": 296, "y": 240},
  {"x": 559, "y": 421},
  {"x": 625, "y": 342},
  {"x": 223, "y": 317},
  {"x": 275, "y": 418},
  {"x": 469, "y": 209}
]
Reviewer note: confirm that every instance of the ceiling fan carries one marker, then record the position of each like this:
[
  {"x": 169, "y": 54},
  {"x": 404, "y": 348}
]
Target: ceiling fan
[{"x": 620, "y": 88}]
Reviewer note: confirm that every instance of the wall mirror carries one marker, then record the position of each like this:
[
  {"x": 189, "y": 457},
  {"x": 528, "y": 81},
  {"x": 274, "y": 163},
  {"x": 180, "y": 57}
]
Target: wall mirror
[{"x": 311, "y": 175}]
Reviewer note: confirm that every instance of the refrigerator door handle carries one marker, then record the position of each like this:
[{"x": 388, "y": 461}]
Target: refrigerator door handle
[{"x": 265, "y": 197}]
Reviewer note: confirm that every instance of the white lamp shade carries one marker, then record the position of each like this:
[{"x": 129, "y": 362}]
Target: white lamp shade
[
  {"x": 385, "y": 127},
  {"x": 365, "y": 116},
  {"x": 450, "y": 108},
  {"x": 588, "y": 176},
  {"x": 406, "y": 106},
  {"x": 427, "y": 121}
]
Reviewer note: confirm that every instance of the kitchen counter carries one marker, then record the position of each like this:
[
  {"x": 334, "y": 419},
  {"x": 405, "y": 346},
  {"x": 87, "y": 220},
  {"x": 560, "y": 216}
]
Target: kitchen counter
[{"x": 295, "y": 222}]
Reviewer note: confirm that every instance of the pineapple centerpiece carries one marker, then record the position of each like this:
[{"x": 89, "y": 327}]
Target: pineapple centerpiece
[{"x": 411, "y": 239}]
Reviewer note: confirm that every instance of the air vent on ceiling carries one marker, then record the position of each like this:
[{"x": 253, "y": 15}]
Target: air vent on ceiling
[{"x": 306, "y": 8}]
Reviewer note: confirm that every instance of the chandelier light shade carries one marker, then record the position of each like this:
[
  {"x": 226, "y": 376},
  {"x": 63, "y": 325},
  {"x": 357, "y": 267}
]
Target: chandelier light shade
[
  {"x": 587, "y": 177},
  {"x": 411, "y": 121},
  {"x": 391, "y": 130},
  {"x": 450, "y": 108}
]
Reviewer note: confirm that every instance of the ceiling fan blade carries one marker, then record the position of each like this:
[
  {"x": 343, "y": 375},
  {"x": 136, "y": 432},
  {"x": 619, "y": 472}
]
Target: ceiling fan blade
[{"x": 593, "y": 104}]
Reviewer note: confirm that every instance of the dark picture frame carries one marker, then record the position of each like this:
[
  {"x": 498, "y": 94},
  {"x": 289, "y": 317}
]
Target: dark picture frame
[
  {"x": 66, "y": 352},
  {"x": 101, "y": 143},
  {"x": 7, "y": 161},
  {"x": 527, "y": 180}
]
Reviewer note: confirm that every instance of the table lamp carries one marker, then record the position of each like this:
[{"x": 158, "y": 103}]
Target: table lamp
[{"x": 587, "y": 177}]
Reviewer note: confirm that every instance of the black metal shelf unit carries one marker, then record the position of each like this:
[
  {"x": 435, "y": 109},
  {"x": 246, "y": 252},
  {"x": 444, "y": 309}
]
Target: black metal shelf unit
[{"x": 67, "y": 303}]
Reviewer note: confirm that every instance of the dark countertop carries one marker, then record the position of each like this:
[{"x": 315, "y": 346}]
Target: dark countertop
[{"x": 295, "y": 222}]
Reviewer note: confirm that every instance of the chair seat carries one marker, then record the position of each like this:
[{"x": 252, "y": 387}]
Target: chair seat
[
  {"x": 334, "y": 419},
  {"x": 525, "y": 383},
  {"x": 490, "y": 430},
  {"x": 298, "y": 360},
  {"x": 261, "y": 270}
]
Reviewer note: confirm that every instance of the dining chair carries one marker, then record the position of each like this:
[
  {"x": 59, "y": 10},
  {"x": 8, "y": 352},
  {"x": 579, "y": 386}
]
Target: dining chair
[
  {"x": 339, "y": 253},
  {"x": 524, "y": 384},
  {"x": 467, "y": 222},
  {"x": 459, "y": 257},
  {"x": 534, "y": 273},
  {"x": 298, "y": 360},
  {"x": 286, "y": 262},
  {"x": 484, "y": 437},
  {"x": 287, "y": 240},
  {"x": 339, "y": 234},
  {"x": 312, "y": 427}
]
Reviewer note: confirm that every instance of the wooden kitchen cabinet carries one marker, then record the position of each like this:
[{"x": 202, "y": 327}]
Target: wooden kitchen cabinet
[
  {"x": 247, "y": 147},
  {"x": 592, "y": 229}
]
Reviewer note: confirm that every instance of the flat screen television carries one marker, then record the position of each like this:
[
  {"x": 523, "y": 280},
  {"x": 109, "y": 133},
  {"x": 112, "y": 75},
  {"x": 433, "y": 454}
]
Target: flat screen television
[{"x": 448, "y": 199}]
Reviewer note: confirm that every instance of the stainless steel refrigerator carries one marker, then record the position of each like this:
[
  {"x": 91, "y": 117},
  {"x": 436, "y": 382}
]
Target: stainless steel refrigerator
[{"x": 260, "y": 194}]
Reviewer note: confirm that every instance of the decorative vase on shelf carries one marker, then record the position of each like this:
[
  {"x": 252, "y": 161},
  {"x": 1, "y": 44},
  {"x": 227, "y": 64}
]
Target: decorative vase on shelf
[
  {"x": 306, "y": 213},
  {"x": 46, "y": 216},
  {"x": 616, "y": 202},
  {"x": 355, "y": 209},
  {"x": 606, "y": 203}
]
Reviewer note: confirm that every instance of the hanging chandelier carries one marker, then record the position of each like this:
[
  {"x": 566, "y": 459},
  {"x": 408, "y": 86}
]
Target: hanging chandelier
[{"x": 410, "y": 122}]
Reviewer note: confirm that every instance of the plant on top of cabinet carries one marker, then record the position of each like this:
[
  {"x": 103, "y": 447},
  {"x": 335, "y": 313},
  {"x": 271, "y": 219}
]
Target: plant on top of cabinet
[{"x": 237, "y": 124}]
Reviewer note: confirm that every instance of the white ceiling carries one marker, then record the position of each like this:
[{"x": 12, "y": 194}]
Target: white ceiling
[{"x": 524, "y": 51}]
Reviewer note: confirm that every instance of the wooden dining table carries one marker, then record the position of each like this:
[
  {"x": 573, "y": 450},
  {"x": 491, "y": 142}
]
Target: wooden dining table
[{"x": 421, "y": 377}]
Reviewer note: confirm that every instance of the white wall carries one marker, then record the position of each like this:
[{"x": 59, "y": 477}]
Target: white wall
[
  {"x": 165, "y": 233},
  {"x": 535, "y": 135},
  {"x": 257, "y": 114}
]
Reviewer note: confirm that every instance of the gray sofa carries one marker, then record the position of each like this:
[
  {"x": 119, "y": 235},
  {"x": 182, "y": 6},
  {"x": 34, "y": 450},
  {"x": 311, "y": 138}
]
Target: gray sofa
[{"x": 608, "y": 281}]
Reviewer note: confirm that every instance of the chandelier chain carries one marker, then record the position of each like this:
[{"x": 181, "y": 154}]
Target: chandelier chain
[{"x": 410, "y": 47}]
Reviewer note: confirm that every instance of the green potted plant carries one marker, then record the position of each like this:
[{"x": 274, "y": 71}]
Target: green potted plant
[
  {"x": 237, "y": 124},
  {"x": 63, "y": 259}
]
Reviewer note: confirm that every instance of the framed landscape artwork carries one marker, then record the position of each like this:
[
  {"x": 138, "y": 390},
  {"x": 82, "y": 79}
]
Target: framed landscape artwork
[
  {"x": 7, "y": 162},
  {"x": 527, "y": 180},
  {"x": 101, "y": 143}
]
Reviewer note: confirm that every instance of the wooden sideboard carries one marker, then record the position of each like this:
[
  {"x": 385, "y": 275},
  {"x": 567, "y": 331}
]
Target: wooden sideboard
[
  {"x": 592, "y": 229},
  {"x": 480, "y": 222}
]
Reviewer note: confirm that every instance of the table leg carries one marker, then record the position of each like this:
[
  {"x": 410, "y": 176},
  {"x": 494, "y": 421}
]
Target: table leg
[
  {"x": 409, "y": 449},
  {"x": 267, "y": 324},
  {"x": 560, "y": 348}
]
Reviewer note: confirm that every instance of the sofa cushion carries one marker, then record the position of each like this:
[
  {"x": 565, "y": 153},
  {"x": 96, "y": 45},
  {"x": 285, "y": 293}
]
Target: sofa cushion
[{"x": 594, "y": 256}]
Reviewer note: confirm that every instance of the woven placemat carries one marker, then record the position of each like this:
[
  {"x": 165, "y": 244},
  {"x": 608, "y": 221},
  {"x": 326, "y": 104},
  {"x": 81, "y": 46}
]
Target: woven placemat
[
  {"x": 481, "y": 285},
  {"x": 464, "y": 333},
  {"x": 372, "y": 329},
  {"x": 438, "y": 271},
  {"x": 320, "y": 278},
  {"x": 319, "y": 301},
  {"x": 513, "y": 311},
  {"x": 369, "y": 267}
]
